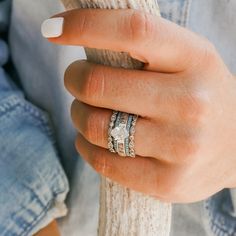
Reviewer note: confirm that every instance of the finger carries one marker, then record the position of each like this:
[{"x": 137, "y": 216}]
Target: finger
[
  {"x": 145, "y": 93},
  {"x": 162, "y": 44},
  {"x": 152, "y": 139},
  {"x": 140, "y": 174},
  {"x": 93, "y": 124}
]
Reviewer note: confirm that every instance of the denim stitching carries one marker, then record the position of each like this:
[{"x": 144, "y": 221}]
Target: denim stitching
[
  {"x": 10, "y": 102},
  {"x": 41, "y": 215},
  {"x": 63, "y": 189},
  {"x": 40, "y": 116},
  {"x": 217, "y": 227},
  {"x": 175, "y": 10},
  {"x": 14, "y": 101},
  {"x": 186, "y": 13}
]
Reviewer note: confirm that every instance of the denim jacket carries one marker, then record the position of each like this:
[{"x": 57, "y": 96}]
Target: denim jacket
[
  {"x": 33, "y": 185},
  {"x": 36, "y": 136}
]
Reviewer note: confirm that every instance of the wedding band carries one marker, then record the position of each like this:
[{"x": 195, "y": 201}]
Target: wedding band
[
  {"x": 131, "y": 137},
  {"x": 121, "y": 133},
  {"x": 110, "y": 139}
]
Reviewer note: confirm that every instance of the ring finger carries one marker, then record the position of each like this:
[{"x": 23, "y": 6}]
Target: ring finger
[{"x": 93, "y": 123}]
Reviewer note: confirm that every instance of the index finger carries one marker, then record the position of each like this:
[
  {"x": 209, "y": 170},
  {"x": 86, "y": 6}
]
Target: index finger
[{"x": 163, "y": 45}]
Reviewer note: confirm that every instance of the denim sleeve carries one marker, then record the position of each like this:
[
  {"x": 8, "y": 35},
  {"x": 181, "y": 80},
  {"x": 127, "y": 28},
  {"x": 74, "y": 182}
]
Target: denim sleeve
[{"x": 33, "y": 185}]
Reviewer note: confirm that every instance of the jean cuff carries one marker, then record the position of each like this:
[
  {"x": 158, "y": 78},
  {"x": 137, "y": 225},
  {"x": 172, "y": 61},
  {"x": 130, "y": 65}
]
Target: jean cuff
[{"x": 58, "y": 209}]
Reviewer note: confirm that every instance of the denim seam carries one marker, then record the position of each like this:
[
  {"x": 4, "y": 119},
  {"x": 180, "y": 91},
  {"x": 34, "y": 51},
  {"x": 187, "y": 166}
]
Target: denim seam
[
  {"x": 41, "y": 215},
  {"x": 186, "y": 13},
  {"x": 10, "y": 102},
  {"x": 14, "y": 101},
  {"x": 214, "y": 227},
  {"x": 40, "y": 116}
]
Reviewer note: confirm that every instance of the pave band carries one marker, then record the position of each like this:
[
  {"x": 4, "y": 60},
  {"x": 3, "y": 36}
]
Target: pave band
[
  {"x": 110, "y": 139},
  {"x": 121, "y": 133},
  {"x": 131, "y": 137}
]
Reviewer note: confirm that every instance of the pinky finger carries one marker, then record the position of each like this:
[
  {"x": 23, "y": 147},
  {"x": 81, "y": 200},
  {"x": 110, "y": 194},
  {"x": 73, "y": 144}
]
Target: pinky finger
[{"x": 140, "y": 174}]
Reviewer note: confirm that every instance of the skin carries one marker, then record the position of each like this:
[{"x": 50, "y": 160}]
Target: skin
[
  {"x": 185, "y": 97},
  {"x": 50, "y": 230}
]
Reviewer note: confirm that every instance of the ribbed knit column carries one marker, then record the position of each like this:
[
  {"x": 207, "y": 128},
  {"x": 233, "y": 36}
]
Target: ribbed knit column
[{"x": 124, "y": 212}]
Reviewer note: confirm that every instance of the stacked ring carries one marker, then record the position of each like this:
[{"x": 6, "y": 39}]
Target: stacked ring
[
  {"x": 110, "y": 139},
  {"x": 121, "y": 133}
]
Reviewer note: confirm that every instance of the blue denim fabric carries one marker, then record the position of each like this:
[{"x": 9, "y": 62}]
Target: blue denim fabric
[
  {"x": 4, "y": 53},
  {"x": 33, "y": 185},
  {"x": 4, "y": 14},
  {"x": 220, "y": 214},
  {"x": 41, "y": 66},
  {"x": 175, "y": 10}
]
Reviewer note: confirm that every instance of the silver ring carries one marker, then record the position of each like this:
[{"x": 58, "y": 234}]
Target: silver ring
[
  {"x": 111, "y": 125},
  {"x": 121, "y": 133},
  {"x": 131, "y": 137}
]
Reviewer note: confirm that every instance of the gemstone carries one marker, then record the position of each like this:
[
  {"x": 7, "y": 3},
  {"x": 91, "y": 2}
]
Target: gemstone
[
  {"x": 120, "y": 132},
  {"x": 131, "y": 145},
  {"x": 132, "y": 130}
]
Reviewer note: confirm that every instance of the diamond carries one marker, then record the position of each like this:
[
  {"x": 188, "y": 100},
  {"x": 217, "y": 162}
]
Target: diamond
[
  {"x": 131, "y": 145},
  {"x": 120, "y": 132},
  {"x": 131, "y": 138}
]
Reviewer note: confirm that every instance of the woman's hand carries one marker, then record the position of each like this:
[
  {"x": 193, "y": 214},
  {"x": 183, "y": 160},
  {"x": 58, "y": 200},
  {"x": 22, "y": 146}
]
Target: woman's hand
[{"x": 185, "y": 138}]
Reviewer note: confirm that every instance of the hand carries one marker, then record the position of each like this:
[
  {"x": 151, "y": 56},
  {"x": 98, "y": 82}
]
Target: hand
[{"x": 185, "y": 137}]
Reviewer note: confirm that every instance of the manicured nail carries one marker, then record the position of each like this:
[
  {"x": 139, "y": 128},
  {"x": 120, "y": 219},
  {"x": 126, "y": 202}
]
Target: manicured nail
[{"x": 52, "y": 27}]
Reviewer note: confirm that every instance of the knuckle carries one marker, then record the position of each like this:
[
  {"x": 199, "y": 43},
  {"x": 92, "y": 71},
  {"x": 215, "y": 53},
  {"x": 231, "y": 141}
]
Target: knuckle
[
  {"x": 141, "y": 26},
  {"x": 192, "y": 108},
  {"x": 209, "y": 56},
  {"x": 94, "y": 128},
  {"x": 90, "y": 130},
  {"x": 93, "y": 87},
  {"x": 209, "y": 52},
  {"x": 83, "y": 21},
  {"x": 185, "y": 150},
  {"x": 205, "y": 56}
]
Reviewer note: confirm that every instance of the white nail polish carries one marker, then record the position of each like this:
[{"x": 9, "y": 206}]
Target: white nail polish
[{"x": 52, "y": 27}]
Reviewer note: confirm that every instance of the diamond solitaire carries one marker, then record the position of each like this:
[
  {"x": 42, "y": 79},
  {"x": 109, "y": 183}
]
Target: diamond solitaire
[{"x": 120, "y": 132}]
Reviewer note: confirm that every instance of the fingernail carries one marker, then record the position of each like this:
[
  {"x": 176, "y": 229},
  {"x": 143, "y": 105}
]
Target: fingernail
[{"x": 52, "y": 27}]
